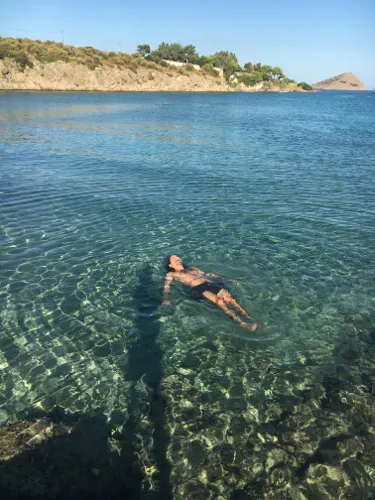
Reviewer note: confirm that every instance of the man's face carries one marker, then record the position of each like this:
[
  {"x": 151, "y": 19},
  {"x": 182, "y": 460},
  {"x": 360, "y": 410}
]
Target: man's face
[{"x": 176, "y": 263}]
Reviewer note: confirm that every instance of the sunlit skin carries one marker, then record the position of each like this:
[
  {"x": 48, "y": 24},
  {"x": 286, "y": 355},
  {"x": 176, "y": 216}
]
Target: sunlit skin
[{"x": 193, "y": 277}]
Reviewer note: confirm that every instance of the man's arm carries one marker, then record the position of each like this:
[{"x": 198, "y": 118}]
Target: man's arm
[{"x": 167, "y": 286}]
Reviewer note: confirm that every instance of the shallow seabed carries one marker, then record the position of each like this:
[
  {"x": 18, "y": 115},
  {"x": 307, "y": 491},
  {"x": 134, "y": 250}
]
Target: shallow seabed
[{"x": 274, "y": 191}]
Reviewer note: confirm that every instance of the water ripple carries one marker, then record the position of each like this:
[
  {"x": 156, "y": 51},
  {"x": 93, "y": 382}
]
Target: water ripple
[{"x": 275, "y": 192}]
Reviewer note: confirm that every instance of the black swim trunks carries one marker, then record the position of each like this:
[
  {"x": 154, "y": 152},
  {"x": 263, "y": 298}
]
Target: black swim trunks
[{"x": 197, "y": 291}]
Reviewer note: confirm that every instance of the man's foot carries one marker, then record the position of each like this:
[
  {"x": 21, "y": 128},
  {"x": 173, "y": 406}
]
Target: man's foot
[{"x": 257, "y": 326}]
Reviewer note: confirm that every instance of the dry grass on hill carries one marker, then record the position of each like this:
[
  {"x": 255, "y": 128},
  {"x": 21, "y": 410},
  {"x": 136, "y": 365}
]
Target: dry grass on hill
[{"x": 25, "y": 52}]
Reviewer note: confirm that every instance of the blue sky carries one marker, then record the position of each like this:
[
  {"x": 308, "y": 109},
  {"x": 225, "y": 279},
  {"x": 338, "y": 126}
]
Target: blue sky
[{"x": 310, "y": 40}]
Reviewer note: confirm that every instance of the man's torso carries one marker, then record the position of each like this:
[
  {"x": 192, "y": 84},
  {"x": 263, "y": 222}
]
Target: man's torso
[{"x": 189, "y": 277}]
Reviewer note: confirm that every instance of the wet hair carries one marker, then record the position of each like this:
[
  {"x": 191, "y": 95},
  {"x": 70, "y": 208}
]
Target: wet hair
[{"x": 166, "y": 263}]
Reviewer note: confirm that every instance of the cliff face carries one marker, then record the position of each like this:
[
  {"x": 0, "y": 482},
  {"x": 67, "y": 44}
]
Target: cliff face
[
  {"x": 73, "y": 76},
  {"x": 345, "y": 81}
]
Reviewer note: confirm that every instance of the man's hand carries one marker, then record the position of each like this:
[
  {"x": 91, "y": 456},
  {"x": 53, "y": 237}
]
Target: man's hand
[
  {"x": 212, "y": 275},
  {"x": 166, "y": 302},
  {"x": 235, "y": 282}
]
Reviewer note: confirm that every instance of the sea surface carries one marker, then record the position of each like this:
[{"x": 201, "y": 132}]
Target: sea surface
[{"x": 275, "y": 191}]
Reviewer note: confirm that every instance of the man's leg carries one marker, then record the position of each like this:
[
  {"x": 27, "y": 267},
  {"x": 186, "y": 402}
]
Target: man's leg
[
  {"x": 215, "y": 299},
  {"x": 230, "y": 300}
]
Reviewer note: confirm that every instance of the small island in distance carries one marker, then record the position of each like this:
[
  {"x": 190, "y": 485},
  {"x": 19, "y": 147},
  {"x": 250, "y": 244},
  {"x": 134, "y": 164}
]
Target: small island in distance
[{"x": 345, "y": 81}]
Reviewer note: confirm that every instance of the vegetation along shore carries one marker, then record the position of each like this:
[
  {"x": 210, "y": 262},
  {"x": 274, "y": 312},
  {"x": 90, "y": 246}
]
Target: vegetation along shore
[{"x": 35, "y": 65}]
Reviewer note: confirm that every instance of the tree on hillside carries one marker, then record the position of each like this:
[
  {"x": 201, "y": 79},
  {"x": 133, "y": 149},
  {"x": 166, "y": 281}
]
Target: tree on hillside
[
  {"x": 176, "y": 52},
  {"x": 154, "y": 56},
  {"x": 266, "y": 72},
  {"x": 249, "y": 67},
  {"x": 190, "y": 54},
  {"x": 250, "y": 79},
  {"x": 277, "y": 72},
  {"x": 209, "y": 68},
  {"x": 144, "y": 50},
  {"x": 203, "y": 60},
  {"x": 228, "y": 62},
  {"x": 163, "y": 50},
  {"x": 225, "y": 60}
]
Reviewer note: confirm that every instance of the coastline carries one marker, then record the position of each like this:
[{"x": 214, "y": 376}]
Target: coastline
[
  {"x": 73, "y": 77},
  {"x": 79, "y": 91}
]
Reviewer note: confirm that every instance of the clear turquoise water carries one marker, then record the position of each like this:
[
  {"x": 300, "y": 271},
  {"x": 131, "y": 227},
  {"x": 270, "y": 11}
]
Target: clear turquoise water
[{"x": 275, "y": 191}]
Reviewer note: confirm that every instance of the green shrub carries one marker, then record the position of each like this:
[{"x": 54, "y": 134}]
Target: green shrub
[
  {"x": 154, "y": 56},
  {"x": 209, "y": 69},
  {"x": 203, "y": 60},
  {"x": 97, "y": 60},
  {"x": 79, "y": 60},
  {"x": 22, "y": 60},
  {"x": 163, "y": 63},
  {"x": 4, "y": 52},
  {"x": 228, "y": 72},
  {"x": 250, "y": 79},
  {"x": 189, "y": 67},
  {"x": 148, "y": 64},
  {"x": 282, "y": 84},
  {"x": 305, "y": 86},
  {"x": 70, "y": 50},
  {"x": 108, "y": 64}
]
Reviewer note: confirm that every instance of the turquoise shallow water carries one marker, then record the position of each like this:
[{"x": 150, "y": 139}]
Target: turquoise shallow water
[{"x": 274, "y": 191}]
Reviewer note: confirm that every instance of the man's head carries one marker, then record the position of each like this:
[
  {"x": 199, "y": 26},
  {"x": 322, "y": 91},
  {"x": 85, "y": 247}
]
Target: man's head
[{"x": 175, "y": 263}]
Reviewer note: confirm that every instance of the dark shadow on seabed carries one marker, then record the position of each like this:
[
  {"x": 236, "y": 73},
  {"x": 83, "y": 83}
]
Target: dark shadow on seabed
[
  {"x": 62, "y": 456},
  {"x": 145, "y": 363},
  {"x": 58, "y": 455}
]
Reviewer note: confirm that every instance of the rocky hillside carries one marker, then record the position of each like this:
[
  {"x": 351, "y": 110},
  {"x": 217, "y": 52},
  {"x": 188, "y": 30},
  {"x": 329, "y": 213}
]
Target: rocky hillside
[
  {"x": 345, "y": 81},
  {"x": 34, "y": 65},
  {"x": 67, "y": 76},
  {"x": 62, "y": 75}
]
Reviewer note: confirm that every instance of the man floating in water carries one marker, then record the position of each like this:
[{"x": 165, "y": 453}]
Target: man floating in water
[{"x": 201, "y": 287}]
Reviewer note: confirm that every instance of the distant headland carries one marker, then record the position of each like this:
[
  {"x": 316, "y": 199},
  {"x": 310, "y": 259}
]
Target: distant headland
[
  {"x": 345, "y": 81},
  {"x": 35, "y": 65}
]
